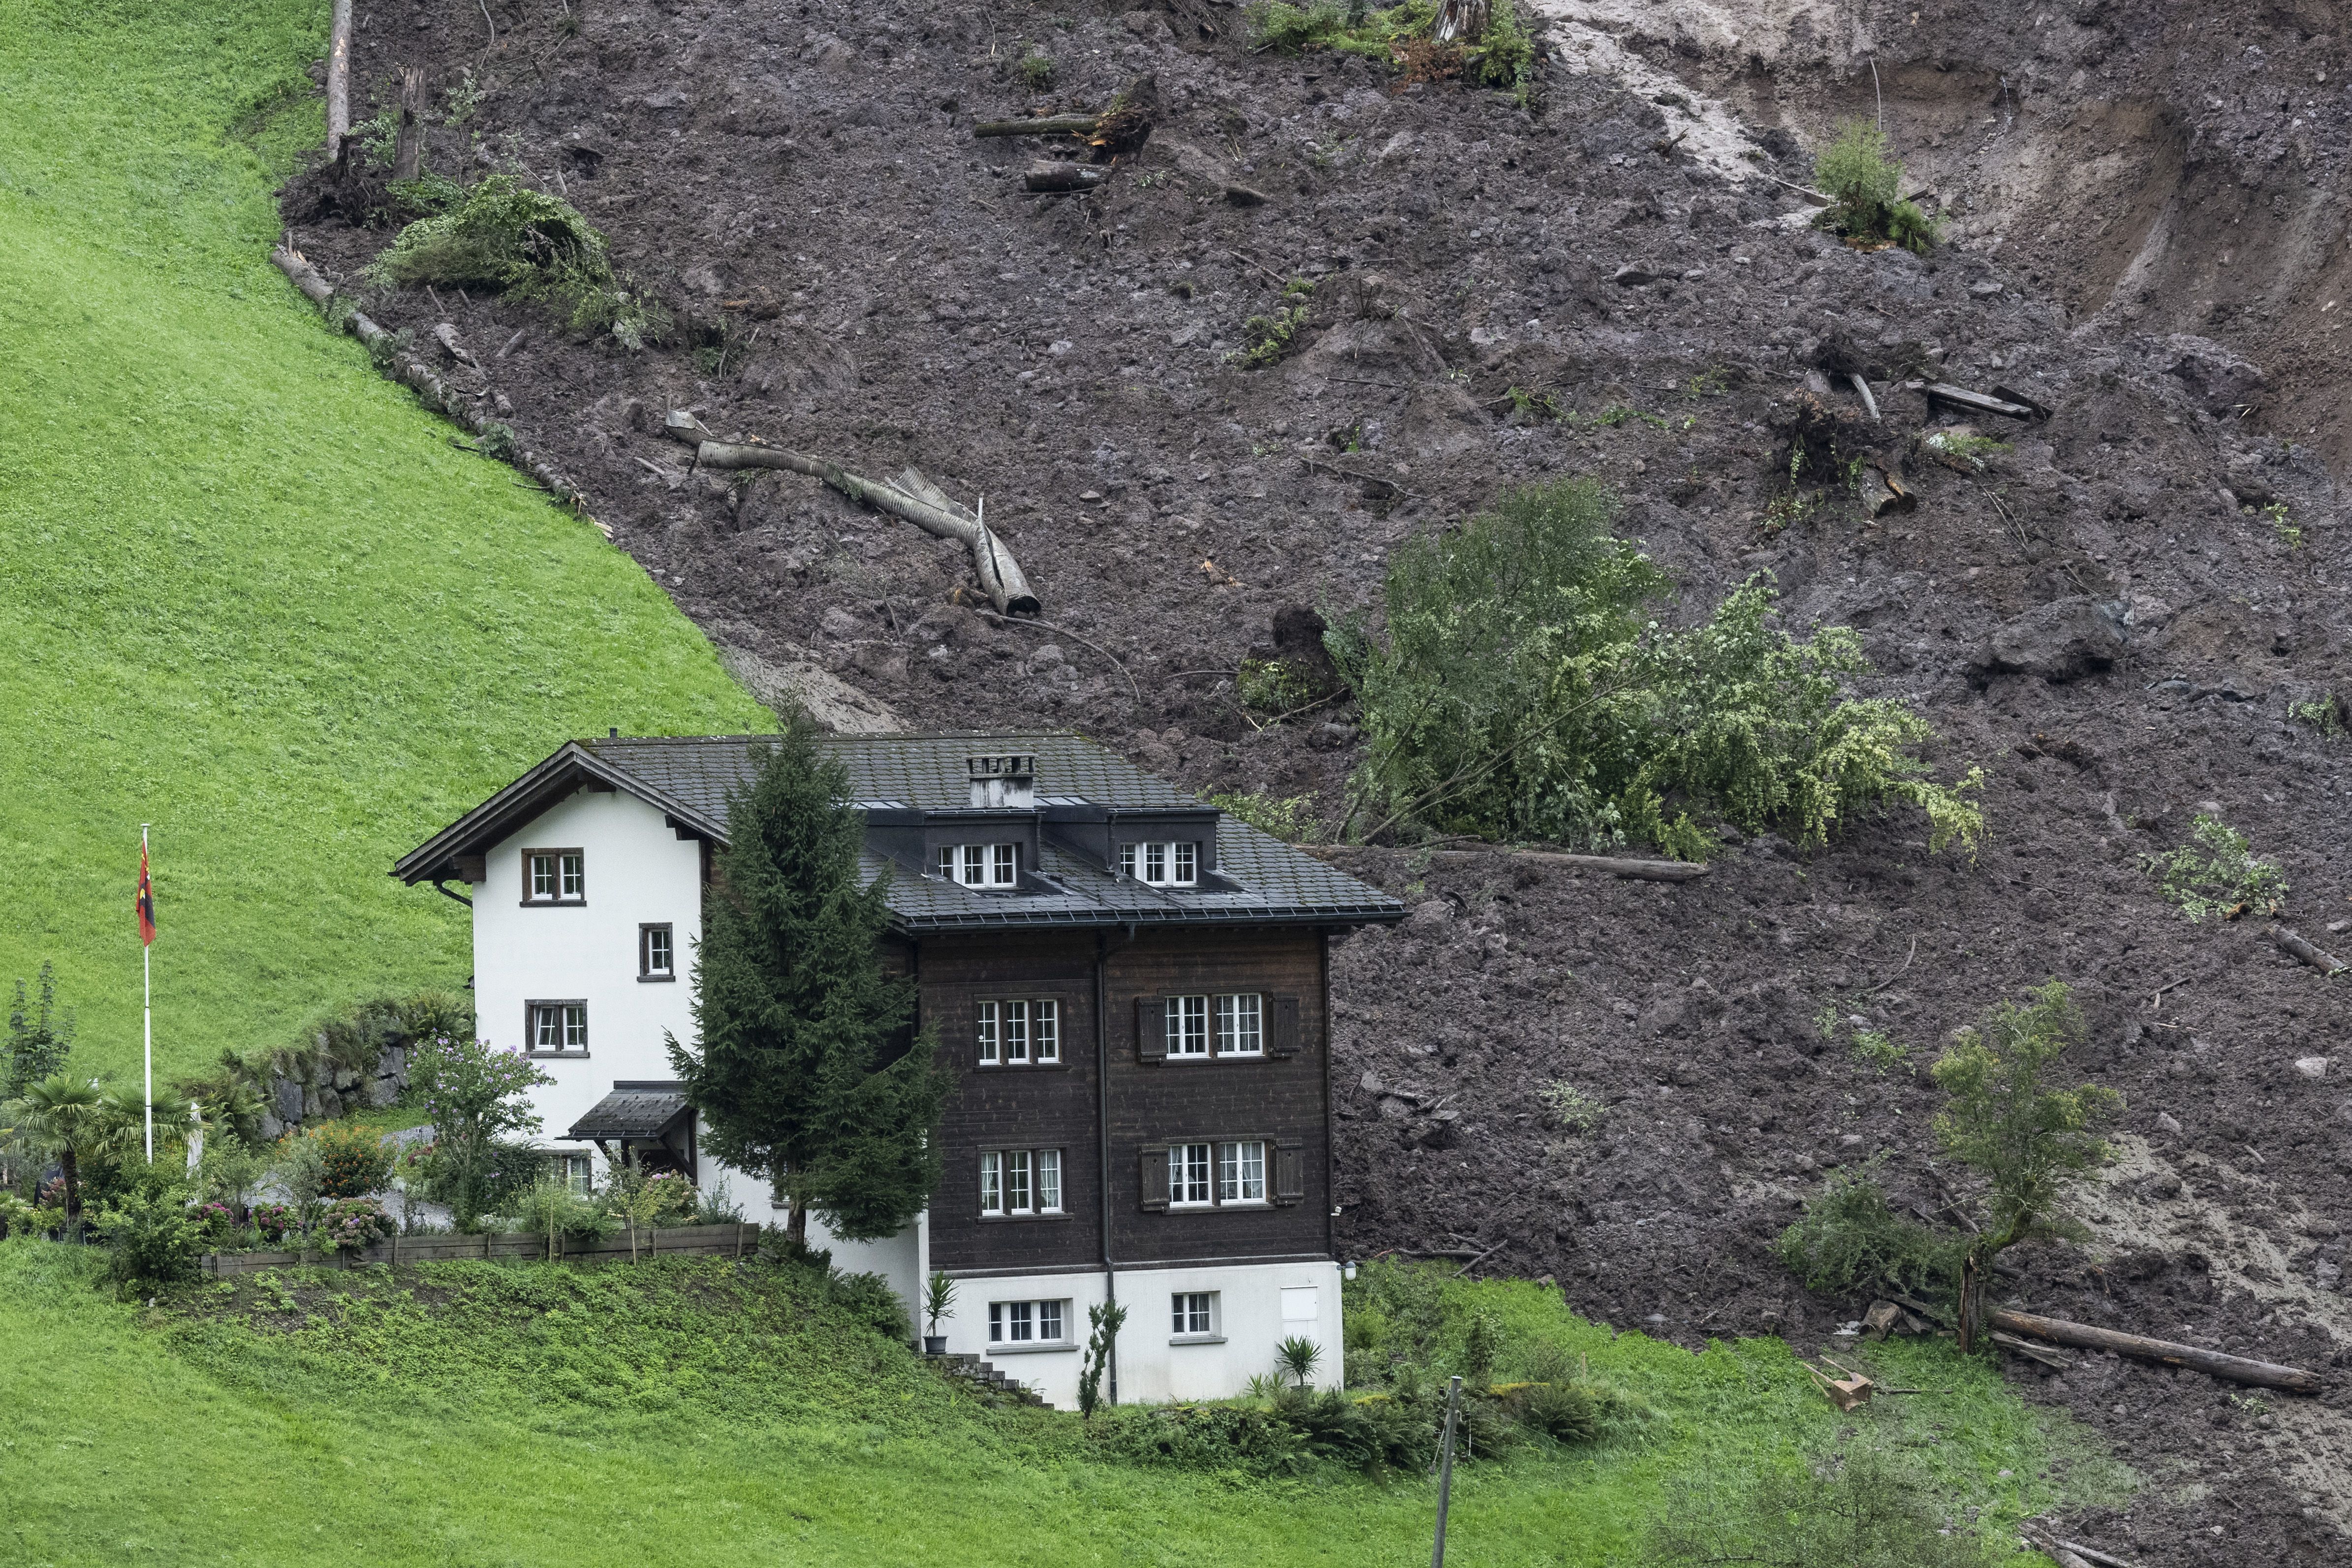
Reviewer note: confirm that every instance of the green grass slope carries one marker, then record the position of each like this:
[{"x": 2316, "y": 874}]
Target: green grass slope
[
  {"x": 700, "y": 1412},
  {"x": 249, "y": 593}
]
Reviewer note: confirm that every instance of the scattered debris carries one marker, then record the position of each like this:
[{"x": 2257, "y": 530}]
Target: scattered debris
[
  {"x": 1950, "y": 396},
  {"x": 1870, "y": 401},
  {"x": 1846, "y": 1393},
  {"x": 2031, "y": 1350},
  {"x": 1629, "y": 870},
  {"x": 1060, "y": 179},
  {"x": 1882, "y": 489}
]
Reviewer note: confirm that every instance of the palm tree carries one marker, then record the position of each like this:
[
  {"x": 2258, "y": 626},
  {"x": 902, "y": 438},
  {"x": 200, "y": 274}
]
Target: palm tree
[{"x": 56, "y": 1115}]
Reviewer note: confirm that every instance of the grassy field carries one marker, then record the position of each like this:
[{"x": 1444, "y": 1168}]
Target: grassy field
[
  {"x": 248, "y": 592},
  {"x": 692, "y": 1412}
]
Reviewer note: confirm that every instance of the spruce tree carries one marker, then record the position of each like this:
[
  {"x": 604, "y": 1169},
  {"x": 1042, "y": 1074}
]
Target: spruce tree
[{"x": 803, "y": 1069}]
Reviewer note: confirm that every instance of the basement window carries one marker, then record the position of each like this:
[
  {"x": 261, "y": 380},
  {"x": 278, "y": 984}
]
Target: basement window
[
  {"x": 1175, "y": 865},
  {"x": 981, "y": 865}
]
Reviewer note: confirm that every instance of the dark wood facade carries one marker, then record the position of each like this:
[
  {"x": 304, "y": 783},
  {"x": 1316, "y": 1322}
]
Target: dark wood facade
[{"x": 1115, "y": 1099}]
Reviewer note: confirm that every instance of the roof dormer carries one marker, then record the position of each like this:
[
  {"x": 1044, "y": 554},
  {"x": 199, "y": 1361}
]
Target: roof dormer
[{"x": 1004, "y": 780}]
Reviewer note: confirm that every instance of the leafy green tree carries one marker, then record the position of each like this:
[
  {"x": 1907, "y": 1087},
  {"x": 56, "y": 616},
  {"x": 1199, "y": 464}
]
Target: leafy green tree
[
  {"x": 2007, "y": 1122},
  {"x": 65, "y": 1118},
  {"x": 477, "y": 1096},
  {"x": 39, "y": 1038},
  {"x": 1523, "y": 691},
  {"x": 1865, "y": 184},
  {"x": 152, "y": 1237},
  {"x": 1104, "y": 1319},
  {"x": 803, "y": 1068}
]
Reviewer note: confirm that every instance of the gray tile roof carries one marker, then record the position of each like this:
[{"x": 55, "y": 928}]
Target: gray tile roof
[
  {"x": 692, "y": 778},
  {"x": 630, "y": 1114}
]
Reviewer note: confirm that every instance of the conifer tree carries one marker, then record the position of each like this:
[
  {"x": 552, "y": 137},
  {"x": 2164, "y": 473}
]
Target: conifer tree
[{"x": 803, "y": 1069}]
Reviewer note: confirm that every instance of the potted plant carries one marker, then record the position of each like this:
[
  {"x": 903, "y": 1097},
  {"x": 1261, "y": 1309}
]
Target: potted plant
[{"x": 939, "y": 1298}]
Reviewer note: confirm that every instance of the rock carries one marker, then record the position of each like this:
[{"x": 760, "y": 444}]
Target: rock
[
  {"x": 1632, "y": 277},
  {"x": 271, "y": 1127},
  {"x": 1243, "y": 195},
  {"x": 839, "y": 624},
  {"x": 1371, "y": 1082},
  {"x": 1984, "y": 288},
  {"x": 667, "y": 98},
  {"x": 330, "y": 1105},
  {"x": 2311, "y": 1067},
  {"x": 1146, "y": 24},
  {"x": 286, "y": 1098},
  {"x": 2219, "y": 379},
  {"x": 2061, "y": 641},
  {"x": 2167, "y": 1123},
  {"x": 312, "y": 1109},
  {"x": 1430, "y": 915}
]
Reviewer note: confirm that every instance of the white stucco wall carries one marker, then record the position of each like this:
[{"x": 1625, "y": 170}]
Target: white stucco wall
[
  {"x": 1153, "y": 1364},
  {"x": 634, "y": 870}
]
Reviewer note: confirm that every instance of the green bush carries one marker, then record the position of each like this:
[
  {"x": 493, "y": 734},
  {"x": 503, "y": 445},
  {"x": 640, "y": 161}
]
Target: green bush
[
  {"x": 1849, "y": 1240},
  {"x": 1214, "y": 1438},
  {"x": 506, "y": 238},
  {"x": 1863, "y": 1509},
  {"x": 352, "y": 1160},
  {"x": 1522, "y": 693},
  {"x": 1865, "y": 187},
  {"x": 151, "y": 1237},
  {"x": 2216, "y": 874},
  {"x": 1265, "y": 339},
  {"x": 351, "y": 1224},
  {"x": 869, "y": 1299},
  {"x": 1036, "y": 70},
  {"x": 1292, "y": 819}
]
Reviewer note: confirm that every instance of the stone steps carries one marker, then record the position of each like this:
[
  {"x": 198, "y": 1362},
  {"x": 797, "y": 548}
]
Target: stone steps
[{"x": 979, "y": 1373}]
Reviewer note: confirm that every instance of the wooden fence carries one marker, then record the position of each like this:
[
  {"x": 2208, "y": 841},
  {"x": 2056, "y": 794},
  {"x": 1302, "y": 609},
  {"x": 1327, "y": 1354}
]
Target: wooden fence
[{"x": 676, "y": 1241}]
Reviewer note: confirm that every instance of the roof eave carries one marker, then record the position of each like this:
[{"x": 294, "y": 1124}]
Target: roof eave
[{"x": 529, "y": 795}]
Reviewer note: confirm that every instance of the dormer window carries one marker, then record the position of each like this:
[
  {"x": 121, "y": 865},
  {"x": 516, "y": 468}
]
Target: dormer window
[
  {"x": 1176, "y": 865},
  {"x": 553, "y": 876},
  {"x": 982, "y": 865}
]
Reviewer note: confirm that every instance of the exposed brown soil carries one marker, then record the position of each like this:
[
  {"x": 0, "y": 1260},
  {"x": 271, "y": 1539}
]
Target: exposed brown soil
[{"x": 2100, "y": 617}]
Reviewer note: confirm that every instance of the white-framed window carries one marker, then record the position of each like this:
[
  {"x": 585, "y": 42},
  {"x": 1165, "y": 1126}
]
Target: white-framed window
[
  {"x": 1241, "y": 1025},
  {"x": 575, "y": 1171},
  {"x": 1192, "y": 1314},
  {"x": 981, "y": 865},
  {"x": 1028, "y": 1322},
  {"x": 1188, "y": 1174},
  {"x": 1018, "y": 1032},
  {"x": 1188, "y": 1027},
  {"x": 1241, "y": 1171},
  {"x": 556, "y": 1026},
  {"x": 1164, "y": 865},
  {"x": 1019, "y": 1181},
  {"x": 553, "y": 876},
  {"x": 656, "y": 953}
]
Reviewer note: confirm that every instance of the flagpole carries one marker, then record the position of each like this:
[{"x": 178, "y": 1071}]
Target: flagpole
[{"x": 147, "y": 997}]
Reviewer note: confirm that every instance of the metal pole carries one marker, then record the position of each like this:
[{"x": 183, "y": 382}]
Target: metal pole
[
  {"x": 1446, "y": 1469},
  {"x": 147, "y": 999}
]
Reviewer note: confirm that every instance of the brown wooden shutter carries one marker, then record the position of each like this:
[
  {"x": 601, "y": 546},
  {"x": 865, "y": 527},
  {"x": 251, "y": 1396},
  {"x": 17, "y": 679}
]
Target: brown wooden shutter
[
  {"x": 1284, "y": 1040},
  {"x": 1290, "y": 1173},
  {"x": 1152, "y": 1031},
  {"x": 1154, "y": 1164}
]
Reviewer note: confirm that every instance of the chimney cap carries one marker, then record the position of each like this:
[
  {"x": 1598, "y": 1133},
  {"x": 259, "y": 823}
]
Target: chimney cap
[{"x": 1002, "y": 766}]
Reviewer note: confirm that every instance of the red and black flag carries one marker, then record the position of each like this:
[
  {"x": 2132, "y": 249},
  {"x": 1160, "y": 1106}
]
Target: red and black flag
[{"x": 146, "y": 898}]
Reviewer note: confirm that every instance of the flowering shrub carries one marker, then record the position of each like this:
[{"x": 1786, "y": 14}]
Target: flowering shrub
[
  {"x": 351, "y": 1224},
  {"x": 477, "y": 1096},
  {"x": 216, "y": 1222},
  {"x": 352, "y": 1160},
  {"x": 274, "y": 1221}
]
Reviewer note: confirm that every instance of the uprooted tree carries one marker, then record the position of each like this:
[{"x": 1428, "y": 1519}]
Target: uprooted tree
[
  {"x": 807, "y": 1068},
  {"x": 1521, "y": 690}
]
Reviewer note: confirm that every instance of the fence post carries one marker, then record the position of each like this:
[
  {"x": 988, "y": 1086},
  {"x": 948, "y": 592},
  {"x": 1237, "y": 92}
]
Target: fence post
[{"x": 1446, "y": 1469}]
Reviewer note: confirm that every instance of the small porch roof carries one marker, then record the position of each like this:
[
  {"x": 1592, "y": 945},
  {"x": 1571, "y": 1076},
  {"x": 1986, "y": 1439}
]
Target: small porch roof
[{"x": 634, "y": 1110}]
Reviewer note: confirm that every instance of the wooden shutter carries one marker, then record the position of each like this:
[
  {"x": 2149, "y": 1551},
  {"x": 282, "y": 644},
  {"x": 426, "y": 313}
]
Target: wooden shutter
[
  {"x": 1282, "y": 1036},
  {"x": 1290, "y": 1173},
  {"x": 1154, "y": 1163},
  {"x": 1152, "y": 1031}
]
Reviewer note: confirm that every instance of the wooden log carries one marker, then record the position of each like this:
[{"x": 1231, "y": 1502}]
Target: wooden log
[
  {"x": 2031, "y": 1350},
  {"x": 1043, "y": 125},
  {"x": 2094, "y": 1556},
  {"x": 339, "y": 78},
  {"x": 1868, "y": 401},
  {"x": 1630, "y": 870},
  {"x": 1944, "y": 391},
  {"x": 992, "y": 561},
  {"x": 408, "y": 141},
  {"x": 2325, "y": 963},
  {"x": 412, "y": 373},
  {"x": 2165, "y": 1352},
  {"x": 1062, "y": 179}
]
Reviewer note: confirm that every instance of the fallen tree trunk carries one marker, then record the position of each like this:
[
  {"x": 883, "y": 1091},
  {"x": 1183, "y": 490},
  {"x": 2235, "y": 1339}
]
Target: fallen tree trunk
[
  {"x": 2165, "y": 1352},
  {"x": 2325, "y": 963},
  {"x": 1044, "y": 125},
  {"x": 1000, "y": 575},
  {"x": 412, "y": 373},
  {"x": 1630, "y": 870},
  {"x": 1974, "y": 402},
  {"x": 339, "y": 78},
  {"x": 1062, "y": 179}
]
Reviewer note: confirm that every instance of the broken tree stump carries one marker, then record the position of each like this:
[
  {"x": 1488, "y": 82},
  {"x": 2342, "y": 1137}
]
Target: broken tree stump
[
  {"x": 2164, "y": 1353},
  {"x": 1062, "y": 179},
  {"x": 2325, "y": 963},
  {"x": 408, "y": 141},
  {"x": 1043, "y": 125},
  {"x": 999, "y": 577}
]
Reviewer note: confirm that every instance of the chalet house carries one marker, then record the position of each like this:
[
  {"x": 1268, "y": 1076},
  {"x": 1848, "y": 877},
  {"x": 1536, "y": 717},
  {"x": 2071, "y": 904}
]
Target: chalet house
[{"x": 1131, "y": 988}]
